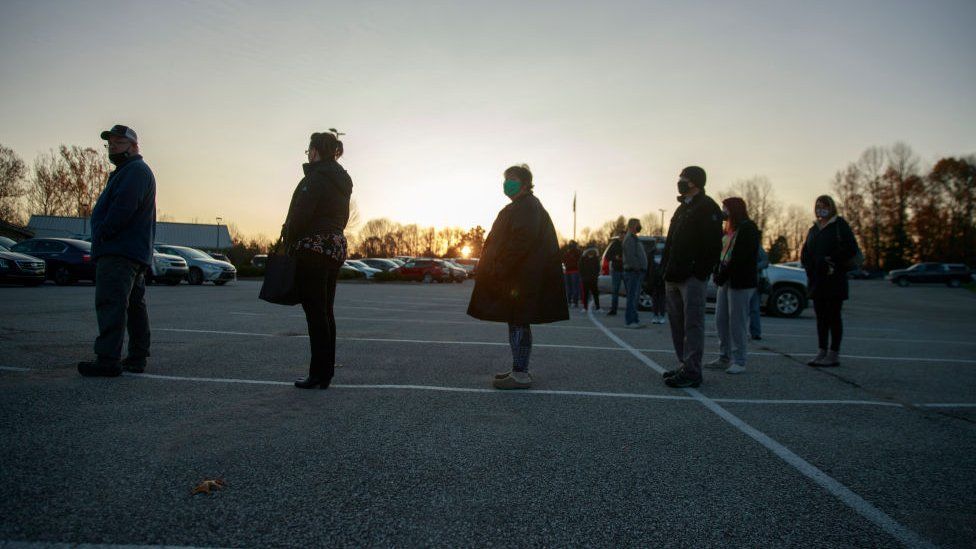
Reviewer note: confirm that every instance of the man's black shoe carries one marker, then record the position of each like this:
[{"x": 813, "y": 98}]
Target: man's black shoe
[
  {"x": 100, "y": 368},
  {"x": 612, "y": 312},
  {"x": 670, "y": 373},
  {"x": 756, "y": 337},
  {"x": 680, "y": 380},
  {"x": 312, "y": 382},
  {"x": 136, "y": 365}
]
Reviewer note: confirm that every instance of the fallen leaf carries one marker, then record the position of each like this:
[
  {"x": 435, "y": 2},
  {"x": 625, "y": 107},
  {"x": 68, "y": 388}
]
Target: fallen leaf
[{"x": 207, "y": 485}]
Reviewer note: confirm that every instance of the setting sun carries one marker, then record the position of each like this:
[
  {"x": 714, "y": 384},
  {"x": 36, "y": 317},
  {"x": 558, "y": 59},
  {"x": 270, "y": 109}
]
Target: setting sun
[{"x": 466, "y": 251}]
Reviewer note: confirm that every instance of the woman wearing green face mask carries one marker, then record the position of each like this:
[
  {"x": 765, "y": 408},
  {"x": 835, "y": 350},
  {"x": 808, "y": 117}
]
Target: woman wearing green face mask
[{"x": 520, "y": 279}]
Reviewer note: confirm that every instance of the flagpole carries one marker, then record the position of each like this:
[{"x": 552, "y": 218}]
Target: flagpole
[{"x": 574, "y": 215}]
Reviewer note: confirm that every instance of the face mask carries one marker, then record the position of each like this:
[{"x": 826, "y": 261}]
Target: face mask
[
  {"x": 823, "y": 213},
  {"x": 683, "y": 186},
  {"x": 637, "y": 229},
  {"x": 511, "y": 188},
  {"x": 118, "y": 158}
]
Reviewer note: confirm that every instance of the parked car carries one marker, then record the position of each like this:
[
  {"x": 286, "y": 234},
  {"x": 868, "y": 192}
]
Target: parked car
[
  {"x": 794, "y": 264},
  {"x": 605, "y": 282},
  {"x": 470, "y": 265},
  {"x": 66, "y": 259},
  {"x": 458, "y": 274},
  {"x": 950, "y": 274},
  {"x": 20, "y": 269},
  {"x": 362, "y": 267},
  {"x": 398, "y": 261},
  {"x": 426, "y": 270},
  {"x": 168, "y": 269},
  {"x": 260, "y": 261},
  {"x": 380, "y": 263},
  {"x": 219, "y": 256},
  {"x": 202, "y": 267},
  {"x": 7, "y": 242}
]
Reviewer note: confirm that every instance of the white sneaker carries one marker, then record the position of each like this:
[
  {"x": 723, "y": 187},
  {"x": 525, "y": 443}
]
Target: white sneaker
[
  {"x": 735, "y": 369},
  {"x": 719, "y": 363}
]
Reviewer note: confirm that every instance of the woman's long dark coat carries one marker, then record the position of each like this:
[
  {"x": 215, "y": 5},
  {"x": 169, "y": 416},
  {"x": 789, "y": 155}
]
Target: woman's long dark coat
[
  {"x": 520, "y": 276},
  {"x": 833, "y": 245}
]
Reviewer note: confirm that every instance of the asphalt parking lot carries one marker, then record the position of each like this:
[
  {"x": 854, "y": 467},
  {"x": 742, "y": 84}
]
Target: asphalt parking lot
[{"x": 412, "y": 447}]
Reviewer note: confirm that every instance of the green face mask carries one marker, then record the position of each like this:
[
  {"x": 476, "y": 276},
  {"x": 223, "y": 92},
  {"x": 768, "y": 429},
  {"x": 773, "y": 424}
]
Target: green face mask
[{"x": 511, "y": 188}]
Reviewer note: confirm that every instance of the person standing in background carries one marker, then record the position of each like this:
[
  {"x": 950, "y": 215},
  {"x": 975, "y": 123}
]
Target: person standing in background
[
  {"x": 589, "y": 266},
  {"x": 635, "y": 270},
  {"x": 762, "y": 286},
  {"x": 615, "y": 256}
]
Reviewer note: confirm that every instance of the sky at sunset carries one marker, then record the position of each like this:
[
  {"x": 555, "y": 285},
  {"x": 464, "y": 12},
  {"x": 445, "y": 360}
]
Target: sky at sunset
[{"x": 606, "y": 99}]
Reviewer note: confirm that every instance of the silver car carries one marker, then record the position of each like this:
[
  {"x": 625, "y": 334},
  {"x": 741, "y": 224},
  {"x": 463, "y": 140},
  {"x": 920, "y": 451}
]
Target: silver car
[
  {"x": 785, "y": 295},
  {"x": 168, "y": 269},
  {"x": 202, "y": 267}
]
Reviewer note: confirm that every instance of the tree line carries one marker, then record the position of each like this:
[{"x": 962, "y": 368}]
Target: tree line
[{"x": 900, "y": 211}]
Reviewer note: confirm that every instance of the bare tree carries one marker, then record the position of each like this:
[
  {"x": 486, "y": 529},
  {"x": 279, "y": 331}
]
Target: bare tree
[
  {"x": 12, "y": 171},
  {"x": 49, "y": 189},
  {"x": 88, "y": 172}
]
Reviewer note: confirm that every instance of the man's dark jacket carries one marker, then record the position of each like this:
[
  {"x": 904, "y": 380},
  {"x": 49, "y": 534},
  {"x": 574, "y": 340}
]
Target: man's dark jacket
[
  {"x": 520, "y": 277},
  {"x": 615, "y": 253},
  {"x": 123, "y": 221},
  {"x": 741, "y": 272},
  {"x": 694, "y": 240},
  {"x": 832, "y": 245},
  {"x": 320, "y": 203}
]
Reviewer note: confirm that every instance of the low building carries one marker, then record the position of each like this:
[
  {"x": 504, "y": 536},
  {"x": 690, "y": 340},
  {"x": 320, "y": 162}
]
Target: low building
[{"x": 194, "y": 235}]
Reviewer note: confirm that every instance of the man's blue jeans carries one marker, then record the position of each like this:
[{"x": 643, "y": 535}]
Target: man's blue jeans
[
  {"x": 573, "y": 282},
  {"x": 755, "y": 328},
  {"x": 633, "y": 281},
  {"x": 616, "y": 277}
]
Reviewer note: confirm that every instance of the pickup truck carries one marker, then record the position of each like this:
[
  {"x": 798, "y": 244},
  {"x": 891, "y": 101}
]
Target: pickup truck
[{"x": 950, "y": 274}]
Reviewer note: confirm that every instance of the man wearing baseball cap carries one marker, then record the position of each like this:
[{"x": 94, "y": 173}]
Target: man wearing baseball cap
[{"x": 123, "y": 225}]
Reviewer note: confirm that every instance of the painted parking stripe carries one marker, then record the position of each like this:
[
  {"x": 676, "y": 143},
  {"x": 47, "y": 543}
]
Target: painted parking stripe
[
  {"x": 555, "y": 346},
  {"x": 14, "y": 369},
  {"x": 838, "y": 490}
]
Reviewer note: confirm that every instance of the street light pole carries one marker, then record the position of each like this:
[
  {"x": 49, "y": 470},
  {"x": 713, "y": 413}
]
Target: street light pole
[
  {"x": 662, "y": 210},
  {"x": 219, "y": 219}
]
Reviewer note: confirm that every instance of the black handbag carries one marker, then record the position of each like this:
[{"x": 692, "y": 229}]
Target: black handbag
[{"x": 279, "y": 285}]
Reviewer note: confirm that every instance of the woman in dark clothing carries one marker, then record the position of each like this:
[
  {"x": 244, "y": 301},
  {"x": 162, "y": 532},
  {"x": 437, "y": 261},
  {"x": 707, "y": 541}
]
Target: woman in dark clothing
[
  {"x": 589, "y": 268},
  {"x": 313, "y": 230},
  {"x": 520, "y": 278},
  {"x": 655, "y": 283},
  {"x": 736, "y": 278},
  {"x": 830, "y": 245}
]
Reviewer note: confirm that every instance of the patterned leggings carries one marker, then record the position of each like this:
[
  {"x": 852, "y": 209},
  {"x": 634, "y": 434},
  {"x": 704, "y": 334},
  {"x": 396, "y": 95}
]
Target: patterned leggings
[{"x": 520, "y": 339}]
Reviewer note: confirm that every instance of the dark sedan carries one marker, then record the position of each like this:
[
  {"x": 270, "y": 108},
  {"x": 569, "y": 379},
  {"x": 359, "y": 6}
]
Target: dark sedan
[
  {"x": 20, "y": 269},
  {"x": 67, "y": 260}
]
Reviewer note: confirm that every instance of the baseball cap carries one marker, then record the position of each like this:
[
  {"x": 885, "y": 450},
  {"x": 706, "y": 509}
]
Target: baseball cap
[{"x": 119, "y": 130}]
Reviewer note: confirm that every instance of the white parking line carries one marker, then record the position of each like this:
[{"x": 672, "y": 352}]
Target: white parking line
[
  {"x": 555, "y": 346},
  {"x": 14, "y": 369},
  {"x": 841, "y": 492}
]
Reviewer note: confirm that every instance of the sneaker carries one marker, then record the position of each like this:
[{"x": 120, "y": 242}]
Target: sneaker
[
  {"x": 670, "y": 373},
  {"x": 501, "y": 375},
  {"x": 818, "y": 360},
  {"x": 735, "y": 369},
  {"x": 680, "y": 380},
  {"x": 635, "y": 325},
  {"x": 612, "y": 312},
  {"x": 136, "y": 365},
  {"x": 514, "y": 380},
  {"x": 719, "y": 363},
  {"x": 100, "y": 368}
]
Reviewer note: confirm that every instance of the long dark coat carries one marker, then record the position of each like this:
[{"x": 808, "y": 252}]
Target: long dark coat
[
  {"x": 520, "y": 277},
  {"x": 833, "y": 244}
]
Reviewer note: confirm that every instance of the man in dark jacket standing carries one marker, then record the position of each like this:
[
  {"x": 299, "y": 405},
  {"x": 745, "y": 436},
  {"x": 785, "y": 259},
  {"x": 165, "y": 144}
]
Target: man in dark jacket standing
[
  {"x": 615, "y": 254},
  {"x": 520, "y": 279},
  {"x": 123, "y": 224},
  {"x": 690, "y": 255}
]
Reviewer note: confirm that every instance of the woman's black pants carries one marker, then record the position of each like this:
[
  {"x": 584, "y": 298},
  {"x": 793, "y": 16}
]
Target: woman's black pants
[
  {"x": 315, "y": 277},
  {"x": 829, "y": 323}
]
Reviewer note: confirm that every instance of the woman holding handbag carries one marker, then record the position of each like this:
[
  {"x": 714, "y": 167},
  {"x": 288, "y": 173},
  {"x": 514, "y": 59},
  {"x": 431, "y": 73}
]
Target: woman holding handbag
[
  {"x": 827, "y": 253},
  {"x": 313, "y": 232},
  {"x": 736, "y": 278}
]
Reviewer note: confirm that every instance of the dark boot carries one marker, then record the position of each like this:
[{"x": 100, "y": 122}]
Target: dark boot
[
  {"x": 311, "y": 382},
  {"x": 100, "y": 368},
  {"x": 136, "y": 365}
]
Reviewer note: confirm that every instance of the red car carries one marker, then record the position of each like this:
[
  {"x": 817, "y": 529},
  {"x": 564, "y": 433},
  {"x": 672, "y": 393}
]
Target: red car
[{"x": 424, "y": 269}]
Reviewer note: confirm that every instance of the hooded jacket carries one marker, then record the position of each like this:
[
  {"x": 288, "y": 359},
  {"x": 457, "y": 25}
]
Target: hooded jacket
[{"x": 320, "y": 203}]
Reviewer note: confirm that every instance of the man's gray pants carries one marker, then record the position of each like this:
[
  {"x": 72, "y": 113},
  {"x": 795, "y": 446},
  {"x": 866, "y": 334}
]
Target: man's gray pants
[
  {"x": 120, "y": 304},
  {"x": 686, "y": 312},
  {"x": 732, "y": 322}
]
